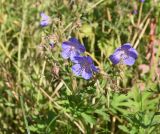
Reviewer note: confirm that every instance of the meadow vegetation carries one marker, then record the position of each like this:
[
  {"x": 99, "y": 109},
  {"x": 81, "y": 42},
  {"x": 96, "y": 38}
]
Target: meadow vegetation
[{"x": 41, "y": 94}]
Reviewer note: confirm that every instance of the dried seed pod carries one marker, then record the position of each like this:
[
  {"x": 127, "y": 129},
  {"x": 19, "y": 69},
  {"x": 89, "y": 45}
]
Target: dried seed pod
[{"x": 55, "y": 70}]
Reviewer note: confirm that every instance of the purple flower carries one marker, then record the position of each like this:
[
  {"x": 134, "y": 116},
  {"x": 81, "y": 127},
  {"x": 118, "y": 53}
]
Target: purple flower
[
  {"x": 84, "y": 67},
  {"x": 125, "y": 54},
  {"x": 45, "y": 21},
  {"x": 142, "y": 0},
  {"x": 72, "y": 48}
]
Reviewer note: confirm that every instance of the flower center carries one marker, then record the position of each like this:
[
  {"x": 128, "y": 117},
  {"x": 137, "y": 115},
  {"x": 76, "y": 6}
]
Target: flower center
[
  {"x": 72, "y": 48},
  {"x": 85, "y": 65},
  {"x": 123, "y": 55}
]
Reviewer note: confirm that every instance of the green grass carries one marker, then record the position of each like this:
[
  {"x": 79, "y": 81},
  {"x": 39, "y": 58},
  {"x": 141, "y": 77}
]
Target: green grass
[{"x": 40, "y": 94}]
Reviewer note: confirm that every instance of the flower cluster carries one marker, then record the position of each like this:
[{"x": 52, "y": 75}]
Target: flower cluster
[{"x": 84, "y": 66}]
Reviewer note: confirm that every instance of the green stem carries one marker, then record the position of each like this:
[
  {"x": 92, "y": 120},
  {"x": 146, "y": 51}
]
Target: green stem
[
  {"x": 24, "y": 115},
  {"x": 140, "y": 26},
  {"x": 140, "y": 13},
  {"x": 42, "y": 73},
  {"x": 92, "y": 44},
  {"x": 94, "y": 5},
  {"x": 21, "y": 38},
  {"x": 141, "y": 34},
  {"x": 138, "y": 23}
]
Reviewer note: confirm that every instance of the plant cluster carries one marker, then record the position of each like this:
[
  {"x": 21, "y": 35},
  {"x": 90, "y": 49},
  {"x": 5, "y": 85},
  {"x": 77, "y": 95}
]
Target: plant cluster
[{"x": 80, "y": 66}]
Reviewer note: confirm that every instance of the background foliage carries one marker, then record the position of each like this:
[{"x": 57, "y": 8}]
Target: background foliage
[{"x": 39, "y": 93}]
